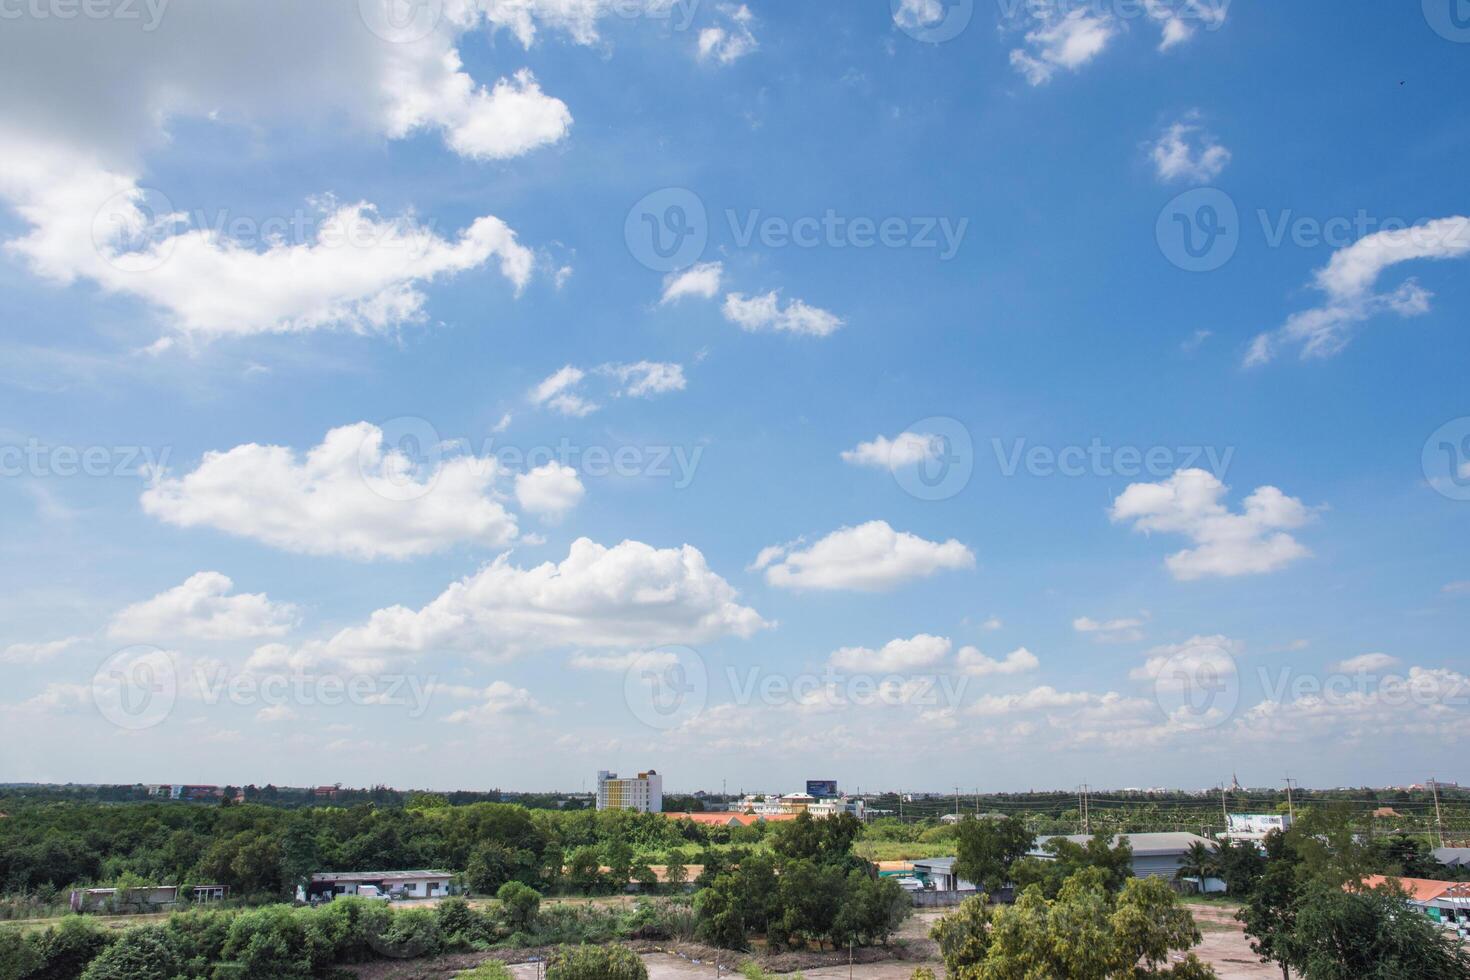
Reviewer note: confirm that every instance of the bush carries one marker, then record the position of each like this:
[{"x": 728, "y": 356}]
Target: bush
[
  {"x": 521, "y": 904},
  {"x": 595, "y": 963},
  {"x": 460, "y": 927},
  {"x": 18, "y": 956},
  {"x": 412, "y": 933},
  {"x": 142, "y": 953},
  {"x": 66, "y": 949},
  {"x": 489, "y": 970}
]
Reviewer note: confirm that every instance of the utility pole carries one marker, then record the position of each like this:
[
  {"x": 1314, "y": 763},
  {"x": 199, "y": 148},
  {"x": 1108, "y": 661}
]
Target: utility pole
[
  {"x": 1083, "y": 805},
  {"x": 1225, "y": 813},
  {"x": 1290, "y": 806},
  {"x": 1438, "y": 819}
]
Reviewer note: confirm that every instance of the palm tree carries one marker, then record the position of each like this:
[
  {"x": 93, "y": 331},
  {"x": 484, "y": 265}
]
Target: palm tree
[{"x": 1199, "y": 863}]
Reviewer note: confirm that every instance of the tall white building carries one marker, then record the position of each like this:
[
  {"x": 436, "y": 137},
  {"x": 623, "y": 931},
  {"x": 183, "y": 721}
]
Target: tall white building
[{"x": 644, "y": 793}]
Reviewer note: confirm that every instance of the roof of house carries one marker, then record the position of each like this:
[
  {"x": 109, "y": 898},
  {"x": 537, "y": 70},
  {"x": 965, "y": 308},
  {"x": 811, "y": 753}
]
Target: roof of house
[
  {"x": 1423, "y": 889},
  {"x": 380, "y": 875},
  {"x": 943, "y": 864},
  {"x": 731, "y": 819},
  {"x": 1144, "y": 845},
  {"x": 1452, "y": 855}
]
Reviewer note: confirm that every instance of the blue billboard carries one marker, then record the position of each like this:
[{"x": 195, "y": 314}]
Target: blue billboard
[{"x": 821, "y": 787}]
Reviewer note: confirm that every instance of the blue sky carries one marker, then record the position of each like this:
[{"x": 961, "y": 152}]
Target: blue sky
[{"x": 259, "y": 232}]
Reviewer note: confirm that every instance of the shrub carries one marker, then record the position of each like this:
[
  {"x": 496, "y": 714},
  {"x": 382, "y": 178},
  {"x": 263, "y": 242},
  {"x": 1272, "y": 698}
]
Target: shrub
[
  {"x": 595, "y": 963},
  {"x": 411, "y": 934},
  {"x": 489, "y": 970},
  {"x": 18, "y": 956},
  {"x": 67, "y": 948},
  {"x": 521, "y": 904},
  {"x": 142, "y": 953}
]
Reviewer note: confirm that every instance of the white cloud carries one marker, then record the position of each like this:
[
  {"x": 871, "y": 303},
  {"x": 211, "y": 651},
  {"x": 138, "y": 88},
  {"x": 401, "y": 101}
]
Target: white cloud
[
  {"x": 36, "y": 653},
  {"x": 275, "y": 713},
  {"x": 1043, "y": 698},
  {"x": 1348, "y": 281},
  {"x": 895, "y": 656},
  {"x": 57, "y": 697},
  {"x": 1174, "y": 667},
  {"x": 765, "y": 313},
  {"x": 1252, "y": 542},
  {"x": 1456, "y": 588},
  {"x": 702, "y": 280},
  {"x": 1187, "y": 151},
  {"x": 77, "y": 155},
  {"x": 631, "y": 595},
  {"x": 1110, "y": 631},
  {"x": 618, "y": 663},
  {"x": 1366, "y": 663},
  {"x": 869, "y": 557},
  {"x": 645, "y": 379},
  {"x": 905, "y": 449},
  {"x": 500, "y": 699},
  {"x": 549, "y": 491},
  {"x": 562, "y": 391},
  {"x": 351, "y": 496},
  {"x": 558, "y": 393},
  {"x": 728, "y": 43},
  {"x": 202, "y": 608},
  {"x": 918, "y": 15},
  {"x": 1068, "y": 42},
  {"x": 1179, "y": 20},
  {"x": 977, "y": 664}
]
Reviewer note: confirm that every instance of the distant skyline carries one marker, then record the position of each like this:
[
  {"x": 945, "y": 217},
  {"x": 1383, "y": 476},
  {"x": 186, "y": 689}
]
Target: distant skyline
[{"x": 911, "y": 393}]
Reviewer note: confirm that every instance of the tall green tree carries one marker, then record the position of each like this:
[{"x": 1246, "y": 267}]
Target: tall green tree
[{"x": 986, "y": 849}]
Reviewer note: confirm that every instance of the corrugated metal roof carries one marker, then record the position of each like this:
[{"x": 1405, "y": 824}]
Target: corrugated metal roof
[
  {"x": 1144, "y": 845},
  {"x": 380, "y": 875}
]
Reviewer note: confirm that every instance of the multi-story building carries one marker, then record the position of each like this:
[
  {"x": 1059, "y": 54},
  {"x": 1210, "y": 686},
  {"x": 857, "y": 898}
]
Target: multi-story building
[{"x": 644, "y": 793}]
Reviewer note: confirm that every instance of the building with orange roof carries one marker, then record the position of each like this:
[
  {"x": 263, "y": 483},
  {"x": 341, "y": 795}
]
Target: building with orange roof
[{"x": 1442, "y": 901}]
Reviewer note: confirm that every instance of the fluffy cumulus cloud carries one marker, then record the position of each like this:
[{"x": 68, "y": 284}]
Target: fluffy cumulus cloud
[
  {"x": 1422, "y": 703},
  {"x": 204, "y": 607},
  {"x": 905, "y": 449},
  {"x": 1043, "y": 698},
  {"x": 1367, "y": 663},
  {"x": 1123, "y": 630},
  {"x": 701, "y": 281},
  {"x": 1186, "y": 151},
  {"x": 895, "y": 656},
  {"x": 619, "y": 663},
  {"x": 36, "y": 653},
  {"x": 731, "y": 39},
  {"x": 1226, "y": 543},
  {"x": 495, "y": 702},
  {"x": 352, "y": 495},
  {"x": 564, "y": 391},
  {"x": 764, "y": 313},
  {"x": 1172, "y": 667},
  {"x": 549, "y": 491},
  {"x": 870, "y": 557},
  {"x": 977, "y": 664},
  {"x": 1349, "y": 283},
  {"x": 76, "y": 158},
  {"x": 629, "y": 596},
  {"x": 1067, "y": 37}
]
